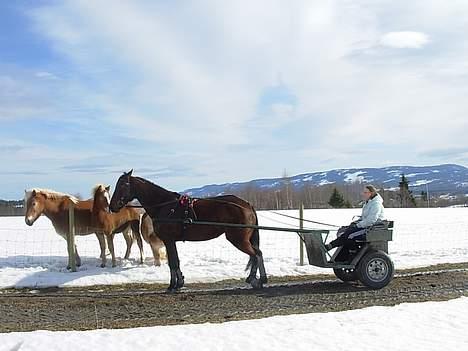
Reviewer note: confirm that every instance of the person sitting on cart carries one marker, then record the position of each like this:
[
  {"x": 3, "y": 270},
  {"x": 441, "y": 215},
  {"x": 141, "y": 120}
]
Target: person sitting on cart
[{"x": 372, "y": 212}]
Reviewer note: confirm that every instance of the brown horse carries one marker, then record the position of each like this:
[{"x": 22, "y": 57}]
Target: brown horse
[
  {"x": 110, "y": 223},
  {"x": 168, "y": 213},
  {"x": 54, "y": 205}
]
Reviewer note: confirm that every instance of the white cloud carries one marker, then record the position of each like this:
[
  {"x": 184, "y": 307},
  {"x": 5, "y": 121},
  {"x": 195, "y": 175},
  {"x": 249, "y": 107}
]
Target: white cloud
[
  {"x": 45, "y": 75},
  {"x": 402, "y": 40},
  {"x": 188, "y": 78}
]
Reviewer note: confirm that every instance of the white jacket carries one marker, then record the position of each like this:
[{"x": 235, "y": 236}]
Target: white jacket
[{"x": 372, "y": 212}]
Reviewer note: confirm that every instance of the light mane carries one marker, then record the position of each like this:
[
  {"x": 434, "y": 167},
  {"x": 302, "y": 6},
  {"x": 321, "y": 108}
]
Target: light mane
[
  {"x": 49, "y": 194},
  {"x": 96, "y": 188}
]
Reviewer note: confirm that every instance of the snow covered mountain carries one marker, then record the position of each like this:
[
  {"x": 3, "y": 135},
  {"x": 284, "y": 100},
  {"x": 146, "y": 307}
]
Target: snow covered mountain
[{"x": 442, "y": 179}]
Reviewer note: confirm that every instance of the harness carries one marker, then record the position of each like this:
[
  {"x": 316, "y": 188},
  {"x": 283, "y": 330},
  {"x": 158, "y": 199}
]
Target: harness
[{"x": 184, "y": 211}]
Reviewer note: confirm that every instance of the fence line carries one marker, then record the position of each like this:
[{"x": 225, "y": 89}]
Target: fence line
[{"x": 415, "y": 238}]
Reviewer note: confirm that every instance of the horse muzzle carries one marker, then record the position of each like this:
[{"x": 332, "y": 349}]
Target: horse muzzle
[{"x": 29, "y": 220}]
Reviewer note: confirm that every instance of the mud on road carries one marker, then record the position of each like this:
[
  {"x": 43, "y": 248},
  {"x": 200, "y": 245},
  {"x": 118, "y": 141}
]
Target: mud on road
[{"x": 139, "y": 305}]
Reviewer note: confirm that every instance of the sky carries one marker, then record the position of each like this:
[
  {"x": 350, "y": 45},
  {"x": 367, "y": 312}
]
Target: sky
[{"x": 189, "y": 93}]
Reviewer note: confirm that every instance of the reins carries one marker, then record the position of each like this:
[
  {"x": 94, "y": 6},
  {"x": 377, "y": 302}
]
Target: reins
[
  {"x": 162, "y": 204},
  {"x": 305, "y": 220}
]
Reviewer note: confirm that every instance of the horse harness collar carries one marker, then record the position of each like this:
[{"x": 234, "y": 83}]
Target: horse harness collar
[{"x": 185, "y": 204}]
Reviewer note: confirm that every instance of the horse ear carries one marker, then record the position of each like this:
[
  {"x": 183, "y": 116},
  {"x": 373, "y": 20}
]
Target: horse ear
[
  {"x": 130, "y": 172},
  {"x": 108, "y": 188},
  {"x": 34, "y": 193}
]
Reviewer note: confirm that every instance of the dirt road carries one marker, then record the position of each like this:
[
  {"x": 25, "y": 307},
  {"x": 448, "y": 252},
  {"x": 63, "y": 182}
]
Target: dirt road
[{"x": 149, "y": 305}]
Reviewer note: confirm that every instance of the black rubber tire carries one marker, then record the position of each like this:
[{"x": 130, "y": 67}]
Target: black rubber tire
[
  {"x": 345, "y": 275},
  {"x": 375, "y": 270}
]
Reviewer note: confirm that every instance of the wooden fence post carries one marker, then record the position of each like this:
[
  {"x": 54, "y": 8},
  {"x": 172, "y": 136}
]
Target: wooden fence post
[
  {"x": 71, "y": 237},
  {"x": 301, "y": 239}
]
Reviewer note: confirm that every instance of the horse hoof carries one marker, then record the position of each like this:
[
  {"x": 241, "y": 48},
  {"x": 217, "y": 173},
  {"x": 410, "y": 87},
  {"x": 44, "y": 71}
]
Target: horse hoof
[
  {"x": 172, "y": 290},
  {"x": 103, "y": 265},
  {"x": 249, "y": 279},
  {"x": 256, "y": 284},
  {"x": 264, "y": 280}
]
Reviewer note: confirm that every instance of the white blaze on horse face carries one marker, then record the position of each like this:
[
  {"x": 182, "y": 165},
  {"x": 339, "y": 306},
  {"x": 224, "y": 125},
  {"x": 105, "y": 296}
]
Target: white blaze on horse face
[{"x": 107, "y": 197}]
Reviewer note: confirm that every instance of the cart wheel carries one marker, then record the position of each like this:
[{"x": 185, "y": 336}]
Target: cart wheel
[
  {"x": 375, "y": 269},
  {"x": 346, "y": 275}
]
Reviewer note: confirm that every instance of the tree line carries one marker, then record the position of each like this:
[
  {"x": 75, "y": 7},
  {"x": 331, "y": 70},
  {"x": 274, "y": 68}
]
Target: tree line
[
  {"x": 11, "y": 208},
  {"x": 287, "y": 197},
  {"x": 340, "y": 196}
]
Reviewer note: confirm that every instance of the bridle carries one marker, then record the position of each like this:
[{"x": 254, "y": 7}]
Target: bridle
[{"x": 125, "y": 193}]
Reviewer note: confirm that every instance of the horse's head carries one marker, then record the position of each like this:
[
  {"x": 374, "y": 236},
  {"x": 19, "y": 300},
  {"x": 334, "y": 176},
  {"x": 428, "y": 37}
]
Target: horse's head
[
  {"x": 122, "y": 193},
  {"x": 101, "y": 197},
  {"x": 35, "y": 204}
]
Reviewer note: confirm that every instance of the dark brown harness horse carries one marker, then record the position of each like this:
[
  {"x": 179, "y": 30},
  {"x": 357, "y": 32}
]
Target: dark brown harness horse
[{"x": 168, "y": 211}]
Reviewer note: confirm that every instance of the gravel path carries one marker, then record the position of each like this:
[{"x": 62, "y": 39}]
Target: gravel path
[{"x": 148, "y": 304}]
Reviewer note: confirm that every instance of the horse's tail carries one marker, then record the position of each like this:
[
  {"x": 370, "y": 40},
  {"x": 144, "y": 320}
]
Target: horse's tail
[{"x": 255, "y": 241}]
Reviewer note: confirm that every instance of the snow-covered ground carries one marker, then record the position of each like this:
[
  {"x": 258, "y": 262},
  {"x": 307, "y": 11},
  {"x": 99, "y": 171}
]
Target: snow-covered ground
[
  {"x": 36, "y": 256},
  {"x": 422, "y": 326}
]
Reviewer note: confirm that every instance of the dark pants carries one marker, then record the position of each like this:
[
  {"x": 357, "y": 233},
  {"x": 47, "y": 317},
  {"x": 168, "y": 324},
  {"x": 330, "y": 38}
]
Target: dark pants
[{"x": 343, "y": 239}]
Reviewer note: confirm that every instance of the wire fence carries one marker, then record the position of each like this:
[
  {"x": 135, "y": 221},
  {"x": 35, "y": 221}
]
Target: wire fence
[{"x": 420, "y": 237}]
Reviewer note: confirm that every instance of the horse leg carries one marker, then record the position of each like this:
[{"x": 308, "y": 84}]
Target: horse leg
[
  {"x": 177, "y": 279},
  {"x": 137, "y": 235},
  {"x": 102, "y": 245},
  {"x": 128, "y": 235},
  {"x": 261, "y": 268},
  {"x": 253, "y": 264},
  {"x": 77, "y": 258},
  {"x": 244, "y": 245},
  {"x": 140, "y": 247},
  {"x": 110, "y": 243},
  {"x": 156, "y": 255},
  {"x": 180, "y": 279},
  {"x": 255, "y": 241}
]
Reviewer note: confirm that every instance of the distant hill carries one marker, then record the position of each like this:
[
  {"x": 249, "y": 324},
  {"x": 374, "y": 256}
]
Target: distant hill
[{"x": 444, "y": 179}]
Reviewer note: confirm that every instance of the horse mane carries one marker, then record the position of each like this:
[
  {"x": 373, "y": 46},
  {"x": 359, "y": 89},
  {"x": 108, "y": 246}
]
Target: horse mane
[
  {"x": 49, "y": 194},
  {"x": 96, "y": 188},
  {"x": 157, "y": 186}
]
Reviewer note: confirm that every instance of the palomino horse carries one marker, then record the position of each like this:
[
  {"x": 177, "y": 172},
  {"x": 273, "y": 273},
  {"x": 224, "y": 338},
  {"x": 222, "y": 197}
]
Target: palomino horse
[
  {"x": 167, "y": 211},
  {"x": 110, "y": 222},
  {"x": 54, "y": 205},
  {"x": 150, "y": 236}
]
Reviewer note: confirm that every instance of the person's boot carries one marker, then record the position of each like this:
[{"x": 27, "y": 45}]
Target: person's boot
[{"x": 328, "y": 246}]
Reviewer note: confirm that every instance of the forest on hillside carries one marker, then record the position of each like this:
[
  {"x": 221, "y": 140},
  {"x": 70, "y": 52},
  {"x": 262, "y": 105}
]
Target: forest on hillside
[
  {"x": 11, "y": 208},
  {"x": 325, "y": 196}
]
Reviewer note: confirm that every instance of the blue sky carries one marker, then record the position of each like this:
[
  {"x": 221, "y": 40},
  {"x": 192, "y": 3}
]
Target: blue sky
[{"x": 194, "y": 93}]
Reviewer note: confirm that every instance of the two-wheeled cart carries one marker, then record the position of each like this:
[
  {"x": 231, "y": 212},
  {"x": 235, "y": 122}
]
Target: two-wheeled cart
[{"x": 368, "y": 262}]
